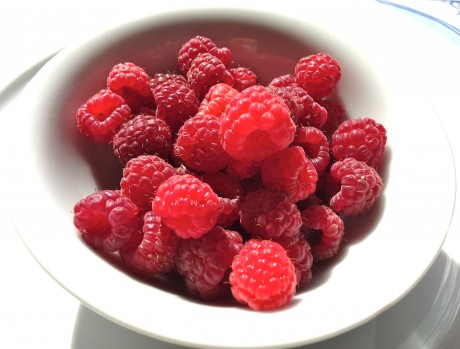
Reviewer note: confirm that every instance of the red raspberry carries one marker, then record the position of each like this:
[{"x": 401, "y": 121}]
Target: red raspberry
[
  {"x": 318, "y": 74},
  {"x": 141, "y": 178},
  {"x": 263, "y": 276},
  {"x": 132, "y": 83},
  {"x": 205, "y": 262},
  {"x": 176, "y": 103},
  {"x": 186, "y": 205},
  {"x": 159, "y": 78},
  {"x": 143, "y": 134},
  {"x": 353, "y": 186},
  {"x": 282, "y": 81},
  {"x": 156, "y": 252},
  {"x": 216, "y": 100},
  {"x": 101, "y": 116},
  {"x": 256, "y": 124},
  {"x": 198, "y": 144},
  {"x": 336, "y": 114},
  {"x": 291, "y": 172},
  {"x": 323, "y": 229},
  {"x": 315, "y": 145},
  {"x": 106, "y": 219},
  {"x": 205, "y": 71},
  {"x": 243, "y": 168},
  {"x": 243, "y": 78},
  {"x": 197, "y": 45},
  {"x": 269, "y": 214},
  {"x": 362, "y": 139}
]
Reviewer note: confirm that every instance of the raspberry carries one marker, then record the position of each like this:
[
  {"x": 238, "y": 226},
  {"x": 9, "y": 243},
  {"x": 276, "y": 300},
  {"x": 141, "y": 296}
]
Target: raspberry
[
  {"x": 336, "y": 114},
  {"x": 362, "y": 139},
  {"x": 141, "y": 178},
  {"x": 186, "y": 205},
  {"x": 143, "y": 134},
  {"x": 243, "y": 78},
  {"x": 256, "y": 124},
  {"x": 318, "y": 74},
  {"x": 243, "y": 168},
  {"x": 101, "y": 116},
  {"x": 282, "y": 81},
  {"x": 159, "y": 78},
  {"x": 216, "y": 100},
  {"x": 156, "y": 252},
  {"x": 269, "y": 214},
  {"x": 353, "y": 186},
  {"x": 323, "y": 229},
  {"x": 198, "y": 144},
  {"x": 315, "y": 145},
  {"x": 106, "y": 219},
  {"x": 263, "y": 276},
  {"x": 176, "y": 103},
  {"x": 290, "y": 171},
  {"x": 204, "y": 262},
  {"x": 132, "y": 83},
  {"x": 205, "y": 71},
  {"x": 197, "y": 45}
]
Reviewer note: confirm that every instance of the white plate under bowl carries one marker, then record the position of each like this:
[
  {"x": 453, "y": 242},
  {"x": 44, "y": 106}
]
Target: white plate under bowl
[{"x": 387, "y": 251}]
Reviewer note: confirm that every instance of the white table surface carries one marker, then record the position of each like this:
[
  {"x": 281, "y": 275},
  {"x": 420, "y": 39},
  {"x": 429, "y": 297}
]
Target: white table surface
[{"x": 35, "y": 312}]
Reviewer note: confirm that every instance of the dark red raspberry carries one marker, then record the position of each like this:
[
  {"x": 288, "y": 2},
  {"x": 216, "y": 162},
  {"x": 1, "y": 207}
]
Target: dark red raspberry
[
  {"x": 156, "y": 252},
  {"x": 243, "y": 78},
  {"x": 315, "y": 145},
  {"x": 176, "y": 103},
  {"x": 197, "y": 45},
  {"x": 318, "y": 74},
  {"x": 159, "y": 78},
  {"x": 323, "y": 229},
  {"x": 263, "y": 276},
  {"x": 353, "y": 186},
  {"x": 336, "y": 114},
  {"x": 256, "y": 124},
  {"x": 101, "y": 116},
  {"x": 198, "y": 144},
  {"x": 187, "y": 205},
  {"x": 133, "y": 84},
  {"x": 141, "y": 178},
  {"x": 243, "y": 168},
  {"x": 362, "y": 139},
  {"x": 206, "y": 71},
  {"x": 282, "y": 81},
  {"x": 205, "y": 262},
  {"x": 291, "y": 172},
  {"x": 216, "y": 100},
  {"x": 269, "y": 214},
  {"x": 106, "y": 219},
  {"x": 143, "y": 134}
]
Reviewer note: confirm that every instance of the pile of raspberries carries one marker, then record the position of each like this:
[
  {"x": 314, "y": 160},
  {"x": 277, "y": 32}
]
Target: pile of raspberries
[{"x": 237, "y": 187}]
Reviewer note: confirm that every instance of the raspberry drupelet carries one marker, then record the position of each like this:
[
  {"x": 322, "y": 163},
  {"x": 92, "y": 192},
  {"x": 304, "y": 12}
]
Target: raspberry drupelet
[
  {"x": 186, "y": 205},
  {"x": 216, "y": 100}
]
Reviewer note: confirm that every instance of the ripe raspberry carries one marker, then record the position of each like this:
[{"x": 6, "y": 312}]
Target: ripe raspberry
[
  {"x": 318, "y": 74},
  {"x": 336, "y": 114},
  {"x": 291, "y": 172},
  {"x": 156, "y": 252},
  {"x": 263, "y": 276},
  {"x": 186, "y": 205},
  {"x": 159, "y": 78},
  {"x": 176, "y": 103},
  {"x": 132, "y": 83},
  {"x": 315, "y": 145},
  {"x": 205, "y": 71},
  {"x": 282, "y": 81},
  {"x": 362, "y": 139},
  {"x": 198, "y": 144},
  {"x": 106, "y": 219},
  {"x": 269, "y": 214},
  {"x": 256, "y": 124},
  {"x": 216, "y": 100},
  {"x": 143, "y": 134},
  {"x": 205, "y": 262},
  {"x": 243, "y": 78},
  {"x": 353, "y": 186},
  {"x": 243, "y": 168},
  {"x": 141, "y": 178},
  {"x": 197, "y": 45},
  {"x": 323, "y": 229},
  {"x": 101, "y": 116}
]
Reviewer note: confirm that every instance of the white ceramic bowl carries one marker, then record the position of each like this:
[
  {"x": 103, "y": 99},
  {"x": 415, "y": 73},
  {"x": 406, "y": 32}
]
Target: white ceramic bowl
[{"x": 387, "y": 250}]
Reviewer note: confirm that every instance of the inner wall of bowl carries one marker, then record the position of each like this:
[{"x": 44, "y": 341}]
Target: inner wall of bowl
[{"x": 270, "y": 45}]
